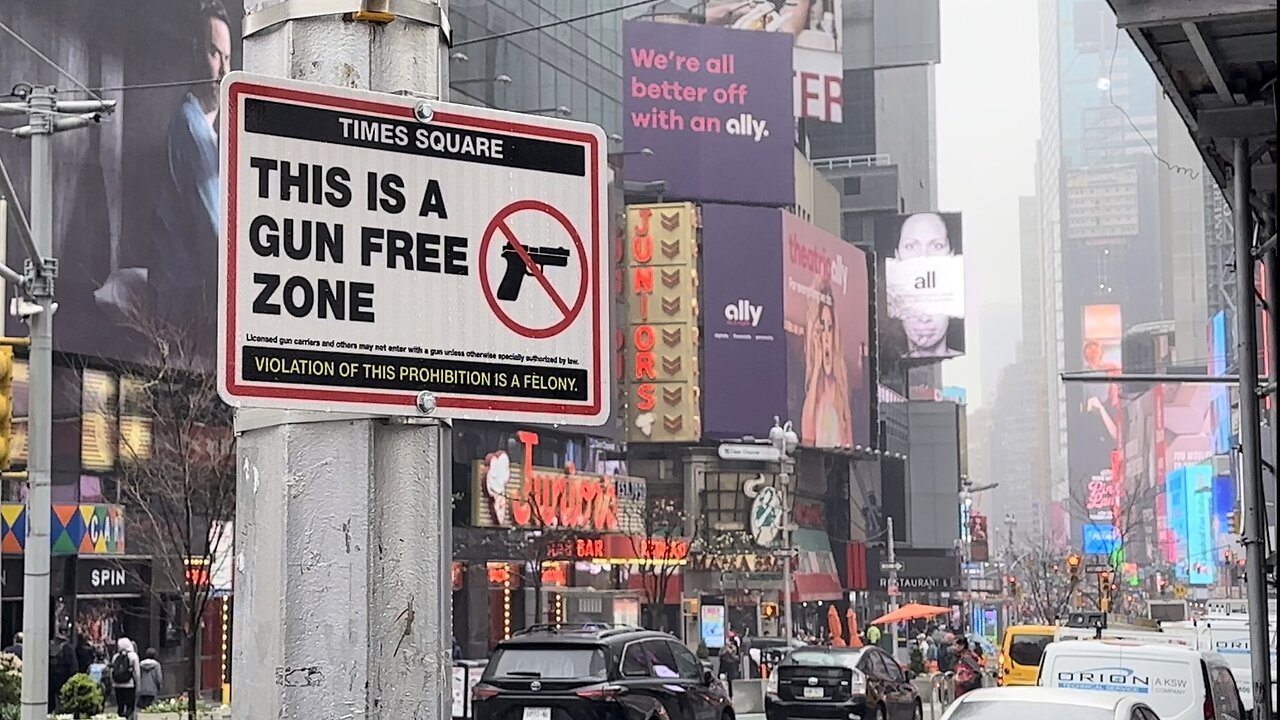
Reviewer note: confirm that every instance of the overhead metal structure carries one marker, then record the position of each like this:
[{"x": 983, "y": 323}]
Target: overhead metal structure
[{"x": 1216, "y": 61}]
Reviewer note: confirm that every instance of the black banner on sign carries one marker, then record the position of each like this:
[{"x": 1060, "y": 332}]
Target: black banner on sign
[
  {"x": 451, "y": 375},
  {"x": 105, "y": 576},
  {"x": 333, "y": 127}
]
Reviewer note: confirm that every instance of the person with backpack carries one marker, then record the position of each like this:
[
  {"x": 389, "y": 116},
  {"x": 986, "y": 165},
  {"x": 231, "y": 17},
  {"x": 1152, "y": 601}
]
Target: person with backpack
[{"x": 125, "y": 671}]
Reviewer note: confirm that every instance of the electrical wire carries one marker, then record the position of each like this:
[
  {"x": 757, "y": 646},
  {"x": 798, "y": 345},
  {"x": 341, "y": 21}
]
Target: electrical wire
[
  {"x": 1111, "y": 98},
  {"x": 153, "y": 86},
  {"x": 554, "y": 23},
  {"x": 47, "y": 60}
]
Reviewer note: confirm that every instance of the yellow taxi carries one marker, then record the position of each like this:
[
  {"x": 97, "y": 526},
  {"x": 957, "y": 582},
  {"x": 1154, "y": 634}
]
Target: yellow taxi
[{"x": 1021, "y": 651}]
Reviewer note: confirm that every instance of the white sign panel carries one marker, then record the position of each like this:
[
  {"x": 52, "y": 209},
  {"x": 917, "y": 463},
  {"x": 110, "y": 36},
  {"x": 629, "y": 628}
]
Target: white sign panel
[{"x": 379, "y": 246}]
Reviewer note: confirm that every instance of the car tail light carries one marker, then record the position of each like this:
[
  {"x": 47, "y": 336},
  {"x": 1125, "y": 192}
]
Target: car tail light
[
  {"x": 858, "y": 683},
  {"x": 1208, "y": 707},
  {"x": 601, "y": 692},
  {"x": 483, "y": 692}
]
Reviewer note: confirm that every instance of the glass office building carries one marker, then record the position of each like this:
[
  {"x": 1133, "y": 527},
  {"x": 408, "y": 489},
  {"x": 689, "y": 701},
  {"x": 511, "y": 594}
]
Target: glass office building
[{"x": 521, "y": 55}]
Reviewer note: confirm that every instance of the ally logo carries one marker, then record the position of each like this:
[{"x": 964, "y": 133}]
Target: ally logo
[{"x": 743, "y": 313}]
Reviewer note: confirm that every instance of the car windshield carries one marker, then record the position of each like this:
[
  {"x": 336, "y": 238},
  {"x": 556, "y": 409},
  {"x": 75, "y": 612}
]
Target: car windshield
[
  {"x": 1006, "y": 710},
  {"x": 557, "y": 662},
  {"x": 1028, "y": 649},
  {"x": 817, "y": 657}
]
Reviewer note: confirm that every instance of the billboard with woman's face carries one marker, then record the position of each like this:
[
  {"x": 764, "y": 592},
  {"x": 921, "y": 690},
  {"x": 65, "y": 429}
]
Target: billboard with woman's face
[
  {"x": 920, "y": 289},
  {"x": 826, "y": 316}
]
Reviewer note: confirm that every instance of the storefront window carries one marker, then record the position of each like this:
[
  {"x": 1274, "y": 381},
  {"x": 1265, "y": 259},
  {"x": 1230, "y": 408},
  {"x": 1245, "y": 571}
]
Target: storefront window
[{"x": 724, "y": 502}]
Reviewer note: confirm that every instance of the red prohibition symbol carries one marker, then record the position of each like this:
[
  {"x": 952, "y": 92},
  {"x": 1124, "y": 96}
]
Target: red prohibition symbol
[{"x": 499, "y": 225}]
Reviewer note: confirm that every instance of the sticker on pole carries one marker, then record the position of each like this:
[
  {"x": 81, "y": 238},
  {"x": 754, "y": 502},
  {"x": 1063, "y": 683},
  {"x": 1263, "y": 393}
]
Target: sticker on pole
[{"x": 392, "y": 256}]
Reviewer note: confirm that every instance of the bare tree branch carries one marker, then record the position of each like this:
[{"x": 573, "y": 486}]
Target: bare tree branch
[{"x": 177, "y": 474}]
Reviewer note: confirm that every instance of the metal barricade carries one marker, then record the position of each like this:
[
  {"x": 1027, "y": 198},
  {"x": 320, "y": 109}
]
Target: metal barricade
[{"x": 466, "y": 673}]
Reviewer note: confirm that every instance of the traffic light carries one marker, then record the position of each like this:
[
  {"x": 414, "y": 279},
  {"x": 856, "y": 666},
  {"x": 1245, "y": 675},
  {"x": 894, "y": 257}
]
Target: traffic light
[
  {"x": 1014, "y": 590},
  {"x": 1233, "y": 522},
  {"x": 6, "y": 405},
  {"x": 1073, "y": 567},
  {"x": 1104, "y": 582},
  {"x": 769, "y": 610}
]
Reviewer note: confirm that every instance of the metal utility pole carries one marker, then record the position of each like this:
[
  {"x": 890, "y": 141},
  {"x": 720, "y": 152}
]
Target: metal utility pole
[
  {"x": 343, "y": 529},
  {"x": 894, "y": 591},
  {"x": 45, "y": 116},
  {"x": 782, "y": 437},
  {"x": 1255, "y": 529}
]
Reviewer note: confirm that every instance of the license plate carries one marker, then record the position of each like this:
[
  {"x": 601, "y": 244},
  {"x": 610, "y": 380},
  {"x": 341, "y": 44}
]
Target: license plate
[
  {"x": 535, "y": 713},
  {"x": 809, "y": 692}
]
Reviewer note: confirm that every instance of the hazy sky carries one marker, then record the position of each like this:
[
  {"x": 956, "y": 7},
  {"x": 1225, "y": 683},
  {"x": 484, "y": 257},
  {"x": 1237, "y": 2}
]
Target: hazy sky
[{"x": 988, "y": 114}]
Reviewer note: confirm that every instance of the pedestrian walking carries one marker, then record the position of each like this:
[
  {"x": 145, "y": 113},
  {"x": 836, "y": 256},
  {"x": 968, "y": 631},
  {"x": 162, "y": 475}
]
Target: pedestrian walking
[
  {"x": 15, "y": 648},
  {"x": 62, "y": 665},
  {"x": 968, "y": 668},
  {"x": 150, "y": 679},
  {"x": 731, "y": 662},
  {"x": 125, "y": 671}
]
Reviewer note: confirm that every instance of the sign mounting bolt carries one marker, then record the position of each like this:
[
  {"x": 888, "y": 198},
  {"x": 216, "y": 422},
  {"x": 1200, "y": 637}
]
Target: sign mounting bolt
[
  {"x": 426, "y": 403},
  {"x": 423, "y": 112}
]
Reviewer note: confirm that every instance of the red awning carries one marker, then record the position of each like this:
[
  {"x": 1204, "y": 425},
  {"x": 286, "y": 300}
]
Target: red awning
[{"x": 810, "y": 587}]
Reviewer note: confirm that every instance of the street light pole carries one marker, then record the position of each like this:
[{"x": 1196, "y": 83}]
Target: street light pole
[
  {"x": 782, "y": 437},
  {"x": 46, "y": 115},
  {"x": 894, "y": 591}
]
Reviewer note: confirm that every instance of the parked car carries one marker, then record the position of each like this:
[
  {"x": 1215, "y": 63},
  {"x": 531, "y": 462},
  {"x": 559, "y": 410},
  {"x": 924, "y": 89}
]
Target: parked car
[
  {"x": 1020, "y": 703},
  {"x": 817, "y": 683},
  {"x": 597, "y": 673}
]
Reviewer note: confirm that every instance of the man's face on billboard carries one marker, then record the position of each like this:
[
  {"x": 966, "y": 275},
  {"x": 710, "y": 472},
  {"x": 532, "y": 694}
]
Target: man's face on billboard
[
  {"x": 923, "y": 235},
  {"x": 216, "y": 50}
]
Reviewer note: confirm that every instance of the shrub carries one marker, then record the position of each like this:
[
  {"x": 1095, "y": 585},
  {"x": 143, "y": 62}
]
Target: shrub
[
  {"x": 10, "y": 712},
  {"x": 10, "y": 680},
  {"x": 81, "y": 696}
]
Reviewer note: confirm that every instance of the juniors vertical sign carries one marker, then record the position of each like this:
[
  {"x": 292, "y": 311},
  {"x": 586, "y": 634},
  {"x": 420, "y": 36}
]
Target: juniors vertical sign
[{"x": 379, "y": 247}]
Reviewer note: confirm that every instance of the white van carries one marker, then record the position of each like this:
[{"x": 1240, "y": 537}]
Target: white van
[
  {"x": 1179, "y": 683},
  {"x": 1229, "y": 637},
  {"x": 1154, "y": 636}
]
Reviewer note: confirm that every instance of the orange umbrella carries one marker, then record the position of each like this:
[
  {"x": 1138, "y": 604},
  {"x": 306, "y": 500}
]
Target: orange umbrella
[
  {"x": 911, "y": 611},
  {"x": 833, "y": 624},
  {"x": 855, "y": 640}
]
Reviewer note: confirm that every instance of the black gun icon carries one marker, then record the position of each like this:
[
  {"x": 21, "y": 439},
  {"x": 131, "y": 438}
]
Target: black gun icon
[{"x": 509, "y": 288}]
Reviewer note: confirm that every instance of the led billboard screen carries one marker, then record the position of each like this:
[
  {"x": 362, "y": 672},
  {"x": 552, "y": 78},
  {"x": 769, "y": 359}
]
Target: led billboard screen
[
  {"x": 1202, "y": 557},
  {"x": 920, "y": 293},
  {"x": 744, "y": 348},
  {"x": 1219, "y": 360},
  {"x": 817, "y": 28},
  {"x": 711, "y": 106},
  {"x": 825, "y": 303},
  {"x": 135, "y": 199}
]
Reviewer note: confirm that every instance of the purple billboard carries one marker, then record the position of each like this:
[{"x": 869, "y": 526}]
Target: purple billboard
[
  {"x": 744, "y": 349},
  {"x": 713, "y": 108}
]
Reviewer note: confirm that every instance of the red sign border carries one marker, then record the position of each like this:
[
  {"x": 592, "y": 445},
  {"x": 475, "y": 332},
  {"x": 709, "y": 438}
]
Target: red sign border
[{"x": 408, "y": 399}]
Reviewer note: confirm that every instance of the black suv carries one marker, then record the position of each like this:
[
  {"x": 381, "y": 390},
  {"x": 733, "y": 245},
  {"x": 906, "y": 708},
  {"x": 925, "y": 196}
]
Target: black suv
[
  {"x": 818, "y": 683},
  {"x": 595, "y": 673}
]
